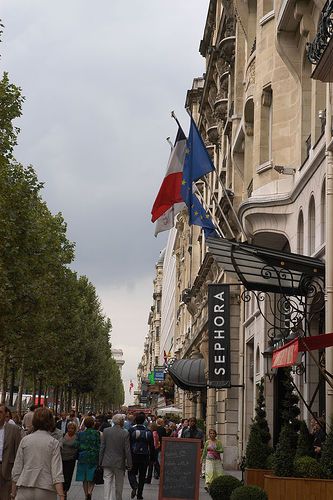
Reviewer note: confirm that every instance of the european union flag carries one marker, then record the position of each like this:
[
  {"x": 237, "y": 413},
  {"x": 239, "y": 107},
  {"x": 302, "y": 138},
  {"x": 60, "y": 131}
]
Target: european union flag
[
  {"x": 197, "y": 163},
  {"x": 199, "y": 217}
]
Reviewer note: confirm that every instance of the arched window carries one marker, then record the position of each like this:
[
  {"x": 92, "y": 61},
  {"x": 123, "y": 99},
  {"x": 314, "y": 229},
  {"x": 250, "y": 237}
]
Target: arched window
[
  {"x": 323, "y": 213},
  {"x": 312, "y": 227},
  {"x": 300, "y": 234}
]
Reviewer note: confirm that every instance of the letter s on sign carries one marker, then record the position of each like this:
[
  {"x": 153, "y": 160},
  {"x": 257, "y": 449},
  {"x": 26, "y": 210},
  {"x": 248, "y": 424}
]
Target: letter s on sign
[{"x": 219, "y": 371}]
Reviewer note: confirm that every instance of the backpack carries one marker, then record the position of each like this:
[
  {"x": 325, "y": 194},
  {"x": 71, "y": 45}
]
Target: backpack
[{"x": 139, "y": 442}]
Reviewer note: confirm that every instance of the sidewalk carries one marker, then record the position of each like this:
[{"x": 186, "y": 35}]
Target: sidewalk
[{"x": 150, "y": 491}]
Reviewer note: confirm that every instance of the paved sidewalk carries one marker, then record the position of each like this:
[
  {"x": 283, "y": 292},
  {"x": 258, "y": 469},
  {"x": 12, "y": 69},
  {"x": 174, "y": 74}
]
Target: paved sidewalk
[{"x": 150, "y": 491}]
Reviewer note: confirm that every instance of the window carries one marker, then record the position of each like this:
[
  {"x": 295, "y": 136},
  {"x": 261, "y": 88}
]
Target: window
[
  {"x": 266, "y": 124},
  {"x": 323, "y": 213},
  {"x": 300, "y": 234},
  {"x": 312, "y": 227}
]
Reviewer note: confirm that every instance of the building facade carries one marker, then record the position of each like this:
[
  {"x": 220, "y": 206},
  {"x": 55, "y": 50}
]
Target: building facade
[{"x": 266, "y": 123}]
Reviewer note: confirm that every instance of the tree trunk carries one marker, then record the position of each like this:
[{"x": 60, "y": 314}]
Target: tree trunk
[
  {"x": 69, "y": 399},
  {"x": 11, "y": 387},
  {"x": 4, "y": 379},
  {"x": 34, "y": 390},
  {"x": 55, "y": 399},
  {"x": 20, "y": 390},
  {"x": 40, "y": 391}
]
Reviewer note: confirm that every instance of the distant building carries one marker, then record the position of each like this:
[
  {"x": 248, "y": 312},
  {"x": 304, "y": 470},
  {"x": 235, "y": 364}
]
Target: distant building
[{"x": 118, "y": 357}]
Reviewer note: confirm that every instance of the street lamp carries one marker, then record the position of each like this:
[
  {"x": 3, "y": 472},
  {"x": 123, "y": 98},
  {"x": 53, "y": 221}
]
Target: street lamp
[{"x": 267, "y": 355}]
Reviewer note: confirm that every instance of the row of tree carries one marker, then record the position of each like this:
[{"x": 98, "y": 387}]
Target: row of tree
[{"x": 54, "y": 337}]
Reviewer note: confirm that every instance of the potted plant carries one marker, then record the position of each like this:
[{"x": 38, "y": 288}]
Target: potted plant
[
  {"x": 305, "y": 442},
  {"x": 223, "y": 486},
  {"x": 258, "y": 449},
  {"x": 297, "y": 474},
  {"x": 249, "y": 493}
]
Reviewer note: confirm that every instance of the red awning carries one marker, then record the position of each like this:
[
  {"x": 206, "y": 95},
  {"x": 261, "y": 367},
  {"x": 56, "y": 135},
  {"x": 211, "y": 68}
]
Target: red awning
[{"x": 287, "y": 354}]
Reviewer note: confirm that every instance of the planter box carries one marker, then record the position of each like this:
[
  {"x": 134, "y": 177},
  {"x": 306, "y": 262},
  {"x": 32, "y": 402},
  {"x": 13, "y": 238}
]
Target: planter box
[
  {"x": 256, "y": 477},
  {"x": 298, "y": 488}
]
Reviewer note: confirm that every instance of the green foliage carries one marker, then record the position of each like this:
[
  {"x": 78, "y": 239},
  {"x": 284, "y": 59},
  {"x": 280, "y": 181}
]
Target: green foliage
[
  {"x": 305, "y": 441},
  {"x": 307, "y": 467},
  {"x": 51, "y": 323},
  {"x": 257, "y": 449},
  {"x": 289, "y": 405},
  {"x": 248, "y": 493},
  {"x": 326, "y": 459},
  {"x": 283, "y": 461},
  {"x": 11, "y": 101},
  {"x": 223, "y": 486}
]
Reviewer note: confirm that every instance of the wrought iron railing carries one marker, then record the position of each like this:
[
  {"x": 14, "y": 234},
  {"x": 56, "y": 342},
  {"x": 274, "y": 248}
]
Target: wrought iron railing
[{"x": 324, "y": 34}]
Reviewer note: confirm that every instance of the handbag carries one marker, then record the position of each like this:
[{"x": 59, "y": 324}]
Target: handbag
[{"x": 98, "y": 476}]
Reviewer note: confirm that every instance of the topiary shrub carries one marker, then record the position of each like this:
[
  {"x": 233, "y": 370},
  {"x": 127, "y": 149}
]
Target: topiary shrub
[
  {"x": 248, "y": 493},
  {"x": 257, "y": 449},
  {"x": 283, "y": 461},
  {"x": 307, "y": 467},
  {"x": 222, "y": 487},
  {"x": 304, "y": 442},
  {"x": 326, "y": 459}
]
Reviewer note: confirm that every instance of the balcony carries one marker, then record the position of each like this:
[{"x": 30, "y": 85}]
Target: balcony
[{"x": 320, "y": 51}]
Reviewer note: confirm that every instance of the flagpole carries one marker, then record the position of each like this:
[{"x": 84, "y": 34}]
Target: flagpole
[
  {"x": 220, "y": 209},
  {"x": 173, "y": 115},
  {"x": 169, "y": 142},
  {"x": 209, "y": 211}
]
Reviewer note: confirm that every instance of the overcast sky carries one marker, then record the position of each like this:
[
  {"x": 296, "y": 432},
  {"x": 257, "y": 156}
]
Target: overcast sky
[{"x": 100, "y": 79}]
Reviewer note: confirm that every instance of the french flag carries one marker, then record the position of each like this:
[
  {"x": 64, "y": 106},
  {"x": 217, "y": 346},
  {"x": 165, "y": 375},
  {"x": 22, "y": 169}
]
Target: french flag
[{"x": 170, "y": 190}]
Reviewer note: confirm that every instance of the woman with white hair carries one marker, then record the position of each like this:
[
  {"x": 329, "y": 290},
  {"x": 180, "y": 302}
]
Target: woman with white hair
[{"x": 115, "y": 457}]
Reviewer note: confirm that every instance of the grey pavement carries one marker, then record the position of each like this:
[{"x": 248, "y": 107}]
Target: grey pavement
[{"x": 150, "y": 491}]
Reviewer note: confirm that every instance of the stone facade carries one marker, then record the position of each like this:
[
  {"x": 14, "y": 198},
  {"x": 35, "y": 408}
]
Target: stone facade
[{"x": 262, "y": 119}]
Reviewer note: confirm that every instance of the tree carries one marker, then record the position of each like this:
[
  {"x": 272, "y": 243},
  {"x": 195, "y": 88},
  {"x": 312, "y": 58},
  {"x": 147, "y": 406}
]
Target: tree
[{"x": 258, "y": 449}]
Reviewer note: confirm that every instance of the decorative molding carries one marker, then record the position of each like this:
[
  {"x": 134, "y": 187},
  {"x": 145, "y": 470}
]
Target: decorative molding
[
  {"x": 267, "y": 17},
  {"x": 268, "y": 165}
]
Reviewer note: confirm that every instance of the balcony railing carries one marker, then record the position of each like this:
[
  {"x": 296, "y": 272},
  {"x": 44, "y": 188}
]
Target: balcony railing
[{"x": 325, "y": 31}]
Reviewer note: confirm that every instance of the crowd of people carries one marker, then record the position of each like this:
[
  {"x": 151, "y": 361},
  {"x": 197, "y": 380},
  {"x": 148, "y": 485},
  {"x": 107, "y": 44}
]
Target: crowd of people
[{"x": 38, "y": 455}]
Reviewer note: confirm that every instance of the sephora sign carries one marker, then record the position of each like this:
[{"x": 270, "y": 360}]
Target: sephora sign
[{"x": 219, "y": 375}]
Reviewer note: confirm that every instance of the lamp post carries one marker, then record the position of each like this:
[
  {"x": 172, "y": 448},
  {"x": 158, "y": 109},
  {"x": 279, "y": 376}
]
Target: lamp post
[{"x": 267, "y": 355}]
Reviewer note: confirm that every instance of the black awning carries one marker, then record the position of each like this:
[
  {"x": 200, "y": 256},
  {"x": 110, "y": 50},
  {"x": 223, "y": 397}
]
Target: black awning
[
  {"x": 263, "y": 269},
  {"x": 189, "y": 374}
]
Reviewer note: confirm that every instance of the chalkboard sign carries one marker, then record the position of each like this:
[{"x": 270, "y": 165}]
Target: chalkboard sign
[{"x": 180, "y": 469}]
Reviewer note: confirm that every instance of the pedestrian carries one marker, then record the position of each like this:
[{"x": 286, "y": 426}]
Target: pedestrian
[
  {"x": 62, "y": 423},
  {"x": 192, "y": 431},
  {"x": 115, "y": 456},
  {"x": 211, "y": 457},
  {"x": 68, "y": 444},
  {"x": 161, "y": 434},
  {"x": 129, "y": 421},
  {"x": 88, "y": 443},
  {"x": 142, "y": 449},
  {"x": 318, "y": 435},
  {"x": 73, "y": 418},
  {"x": 37, "y": 472},
  {"x": 27, "y": 419},
  {"x": 10, "y": 437},
  {"x": 182, "y": 428},
  {"x": 104, "y": 423},
  {"x": 154, "y": 464}
]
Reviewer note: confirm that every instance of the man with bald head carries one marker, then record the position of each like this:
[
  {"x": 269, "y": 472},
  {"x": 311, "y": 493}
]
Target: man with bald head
[{"x": 115, "y": 456}]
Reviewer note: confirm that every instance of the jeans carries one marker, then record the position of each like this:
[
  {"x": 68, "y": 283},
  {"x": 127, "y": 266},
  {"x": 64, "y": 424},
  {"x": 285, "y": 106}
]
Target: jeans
[
  {"x": 140, "y": 465},
  {"x": 111, "y": 473}
]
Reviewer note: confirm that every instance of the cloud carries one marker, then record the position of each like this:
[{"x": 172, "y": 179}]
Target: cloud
[{"x": 100, "y": 80}]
